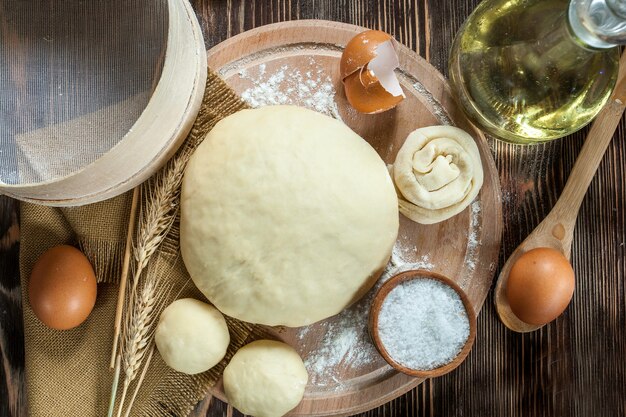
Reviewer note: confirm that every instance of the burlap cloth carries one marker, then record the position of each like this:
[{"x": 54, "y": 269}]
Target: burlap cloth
[{"x": 67, "y": 372}]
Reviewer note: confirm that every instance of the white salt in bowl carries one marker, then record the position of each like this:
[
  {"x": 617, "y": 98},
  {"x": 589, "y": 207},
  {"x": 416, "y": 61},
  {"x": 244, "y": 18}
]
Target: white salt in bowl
[{"x": 395, "y": 335}]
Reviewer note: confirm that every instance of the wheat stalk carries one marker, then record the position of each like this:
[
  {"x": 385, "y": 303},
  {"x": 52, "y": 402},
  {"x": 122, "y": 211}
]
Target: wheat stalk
[
  {"x": 155, "y": 220},
  {"x": 139, "y": 382},
  {"x": 138, "y": 329},
  {"x": 143, "y": 312},
  {"x": 116, "y": 379},
  {"x": 124, "y": 280},
  {"x": 156, "y": 217}
]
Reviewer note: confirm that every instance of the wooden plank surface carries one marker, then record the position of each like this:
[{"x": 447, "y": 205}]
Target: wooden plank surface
[{"x": 573, "y": 367}]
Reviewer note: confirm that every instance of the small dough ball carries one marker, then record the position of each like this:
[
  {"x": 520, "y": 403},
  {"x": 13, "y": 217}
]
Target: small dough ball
[
  {"x": 438, "y": 173},
  {"x": 265, "y": 379},
  {"x": 191, "y": 336},
  {"x": 287, "y": 216}
]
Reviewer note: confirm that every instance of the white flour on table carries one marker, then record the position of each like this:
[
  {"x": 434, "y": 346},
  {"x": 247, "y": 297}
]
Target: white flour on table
[
  {"x": 347, "y": 344},
  {"x": 473, "y": 241},
  {"x": 313, "y": 89}
]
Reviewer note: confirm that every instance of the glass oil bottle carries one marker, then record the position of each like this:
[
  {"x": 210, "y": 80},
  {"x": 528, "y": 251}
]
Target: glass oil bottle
[{"x": 528, "y": 71}]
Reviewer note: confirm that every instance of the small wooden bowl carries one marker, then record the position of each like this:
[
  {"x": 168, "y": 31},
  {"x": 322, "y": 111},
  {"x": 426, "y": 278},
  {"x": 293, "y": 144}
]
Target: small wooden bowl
[{"x": 379, "y": 298}]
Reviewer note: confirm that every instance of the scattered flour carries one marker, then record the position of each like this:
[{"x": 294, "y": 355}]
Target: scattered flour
[
  {"x": 473, "y": 241},
  {"x": 401, "y": 255},
  {"x": 347, "y": 344},
  {"x": 312, "y": 89}
]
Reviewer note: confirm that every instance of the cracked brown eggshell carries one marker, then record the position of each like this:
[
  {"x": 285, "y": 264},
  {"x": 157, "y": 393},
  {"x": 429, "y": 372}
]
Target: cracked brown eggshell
[{"x": 363, "y": 88}]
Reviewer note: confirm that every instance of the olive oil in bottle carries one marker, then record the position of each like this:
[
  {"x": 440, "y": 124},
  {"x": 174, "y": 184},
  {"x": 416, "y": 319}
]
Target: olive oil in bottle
[{"x": 529, "y": 71}]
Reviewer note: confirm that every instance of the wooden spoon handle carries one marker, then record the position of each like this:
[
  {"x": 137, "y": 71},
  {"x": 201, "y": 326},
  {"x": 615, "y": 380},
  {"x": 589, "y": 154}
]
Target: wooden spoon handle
[{"x": 562, "y": 219}]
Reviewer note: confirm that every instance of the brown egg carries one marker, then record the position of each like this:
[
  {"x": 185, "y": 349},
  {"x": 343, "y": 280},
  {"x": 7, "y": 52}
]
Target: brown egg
[
  {"x": 62, "y": 288},
  {"x": 540, "y": 285},
  {"x": 366, "y": 67}
]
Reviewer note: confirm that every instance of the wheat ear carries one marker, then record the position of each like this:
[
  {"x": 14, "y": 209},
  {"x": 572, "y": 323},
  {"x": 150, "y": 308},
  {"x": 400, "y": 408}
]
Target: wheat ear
[
  {"x": 156, "y": 217},
  {"x": 139, "y": 328},
  {"x": 155, "y": 220},
  {"x": 159, "y": 213}
]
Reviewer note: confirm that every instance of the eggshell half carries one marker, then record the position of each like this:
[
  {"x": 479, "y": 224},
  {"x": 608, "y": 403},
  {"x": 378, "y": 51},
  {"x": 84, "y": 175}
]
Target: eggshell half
[
  {"x": 361, "y": 50},
  {"x": 367, "y": 95},
  {"x": 367, "y": 67}
]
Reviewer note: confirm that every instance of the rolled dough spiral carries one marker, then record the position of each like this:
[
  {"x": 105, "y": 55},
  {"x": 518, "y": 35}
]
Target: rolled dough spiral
[{"x": 437, "y": 173}]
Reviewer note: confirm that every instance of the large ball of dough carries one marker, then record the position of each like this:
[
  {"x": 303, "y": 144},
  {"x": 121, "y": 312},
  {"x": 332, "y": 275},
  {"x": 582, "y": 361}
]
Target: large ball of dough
[
  {"x": 265, "y": 379},
  {"x": 288, "y": 216},
  {"x": 191, "y": 336}
]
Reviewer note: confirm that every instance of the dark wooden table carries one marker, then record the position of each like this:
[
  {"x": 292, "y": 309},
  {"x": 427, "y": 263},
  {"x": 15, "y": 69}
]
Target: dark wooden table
[{"x": 575, "y": 366}]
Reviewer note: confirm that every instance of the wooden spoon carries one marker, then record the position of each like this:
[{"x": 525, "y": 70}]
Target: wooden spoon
[
  {"x": 557, "y": 229},
  {"x": 384, "y": 291}
]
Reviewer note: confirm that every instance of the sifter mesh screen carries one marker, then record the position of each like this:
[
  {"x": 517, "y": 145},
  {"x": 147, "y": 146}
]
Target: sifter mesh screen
[{"x": 74, "y": 78}]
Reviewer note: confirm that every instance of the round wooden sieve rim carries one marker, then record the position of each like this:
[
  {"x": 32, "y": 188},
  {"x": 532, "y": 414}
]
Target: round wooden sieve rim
[{"x": 155, "y": 136}]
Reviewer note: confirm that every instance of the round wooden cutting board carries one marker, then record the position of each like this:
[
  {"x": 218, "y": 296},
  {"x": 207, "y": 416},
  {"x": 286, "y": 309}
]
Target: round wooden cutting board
[{"x": 271, "y": 65}]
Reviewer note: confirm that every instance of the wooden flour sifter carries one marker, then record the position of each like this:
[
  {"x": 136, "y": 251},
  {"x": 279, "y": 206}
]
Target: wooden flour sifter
[{"x": 94, "y": 96}]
